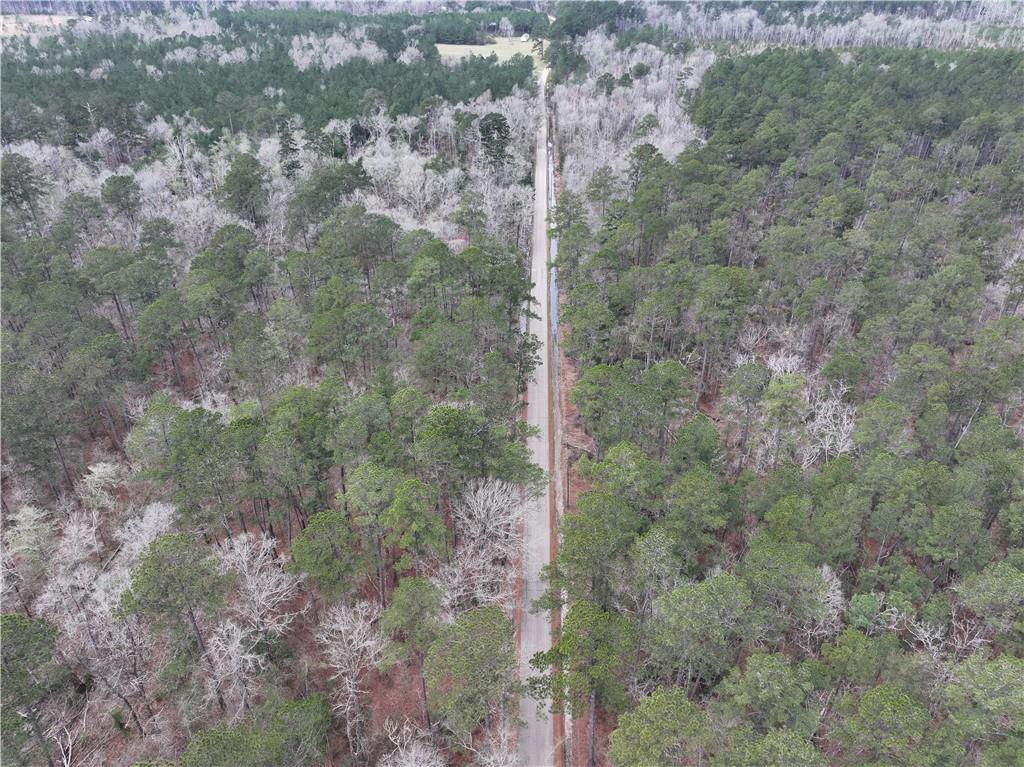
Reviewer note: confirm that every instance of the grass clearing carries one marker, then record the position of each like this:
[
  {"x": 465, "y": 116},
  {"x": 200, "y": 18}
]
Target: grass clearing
[{"x": 504, "y": 48}]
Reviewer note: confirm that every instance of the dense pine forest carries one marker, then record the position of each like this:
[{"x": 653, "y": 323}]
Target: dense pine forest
[
  {"x": 266, "y": 281},
  {"x": 802, "y": 364},
  {"x": 237, "y": 71}
]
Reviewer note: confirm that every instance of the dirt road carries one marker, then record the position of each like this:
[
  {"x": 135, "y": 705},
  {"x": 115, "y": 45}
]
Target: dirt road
[{"x": 536, "y": 736}]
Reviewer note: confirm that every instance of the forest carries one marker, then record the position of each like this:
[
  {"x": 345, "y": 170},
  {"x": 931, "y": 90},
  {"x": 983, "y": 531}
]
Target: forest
[
  {"x": 797, "y": 538},
  {"x": 265, "y": 354},
  {"x": 237, "y": 71}
]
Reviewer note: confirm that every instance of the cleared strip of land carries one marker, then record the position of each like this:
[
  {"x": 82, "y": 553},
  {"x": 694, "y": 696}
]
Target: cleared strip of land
[{"x": 536, "y": 736}]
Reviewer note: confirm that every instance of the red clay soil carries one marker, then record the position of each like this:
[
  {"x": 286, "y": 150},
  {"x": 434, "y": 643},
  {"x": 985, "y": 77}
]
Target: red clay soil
[
  {"x": 163, "y": 370},
  {"x": 603, "y": 726},
  {"x": 710, "y": 406},
  {"x": 735, "y": 541},
  {"x": 872, "y": 548},
  {"x": 384, "y": 692},
  {"x": 575, "y": 440},
  {"x": 395, "y": 695},
  {"x": 574, "y": 437}
]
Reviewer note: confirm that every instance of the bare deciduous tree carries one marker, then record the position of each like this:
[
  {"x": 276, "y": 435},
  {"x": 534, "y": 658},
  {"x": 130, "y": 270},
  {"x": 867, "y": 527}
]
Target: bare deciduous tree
[
  {"x": 411, "y": 748},
  {"x": 498, "y": 750},
  {"x": 263, "y": 585},
  {"x": 138, "y": 532},
  {"x": 234, "y": 667},
  {"x": 598, "y": 128},
  {"x": 964, "y": 28},
  {"x": 830, "y": 430},
  {"x": 487, "y": 517},
  {"x": 352, "y": 645},
  {"x": 833, "y": 608},
  {"x": 26, "y": 550}
]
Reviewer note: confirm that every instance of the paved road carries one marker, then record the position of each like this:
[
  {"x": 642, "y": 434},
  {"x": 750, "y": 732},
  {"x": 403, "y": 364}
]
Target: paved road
[{"x": 536, "y": 736}]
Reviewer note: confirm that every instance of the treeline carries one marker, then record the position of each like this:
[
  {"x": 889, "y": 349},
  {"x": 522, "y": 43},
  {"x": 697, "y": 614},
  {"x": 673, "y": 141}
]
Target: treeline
[
  {"x": 64, "y": 89},
  {"x": 809, "y": 12},
  {"x": 440, "y": 27},
  {"x": 802, "y": 358},
  {"x": 677, "y": 27}
]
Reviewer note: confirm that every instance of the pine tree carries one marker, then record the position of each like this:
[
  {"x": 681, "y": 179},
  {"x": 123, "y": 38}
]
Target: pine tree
[{"x": 289, "y": 151}]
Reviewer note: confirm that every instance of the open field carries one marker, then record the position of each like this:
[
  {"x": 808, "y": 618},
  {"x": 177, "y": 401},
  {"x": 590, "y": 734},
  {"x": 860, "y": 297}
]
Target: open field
[
  {"x": 504, "y": 48},
  {"x": 23, "y": 24}
]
